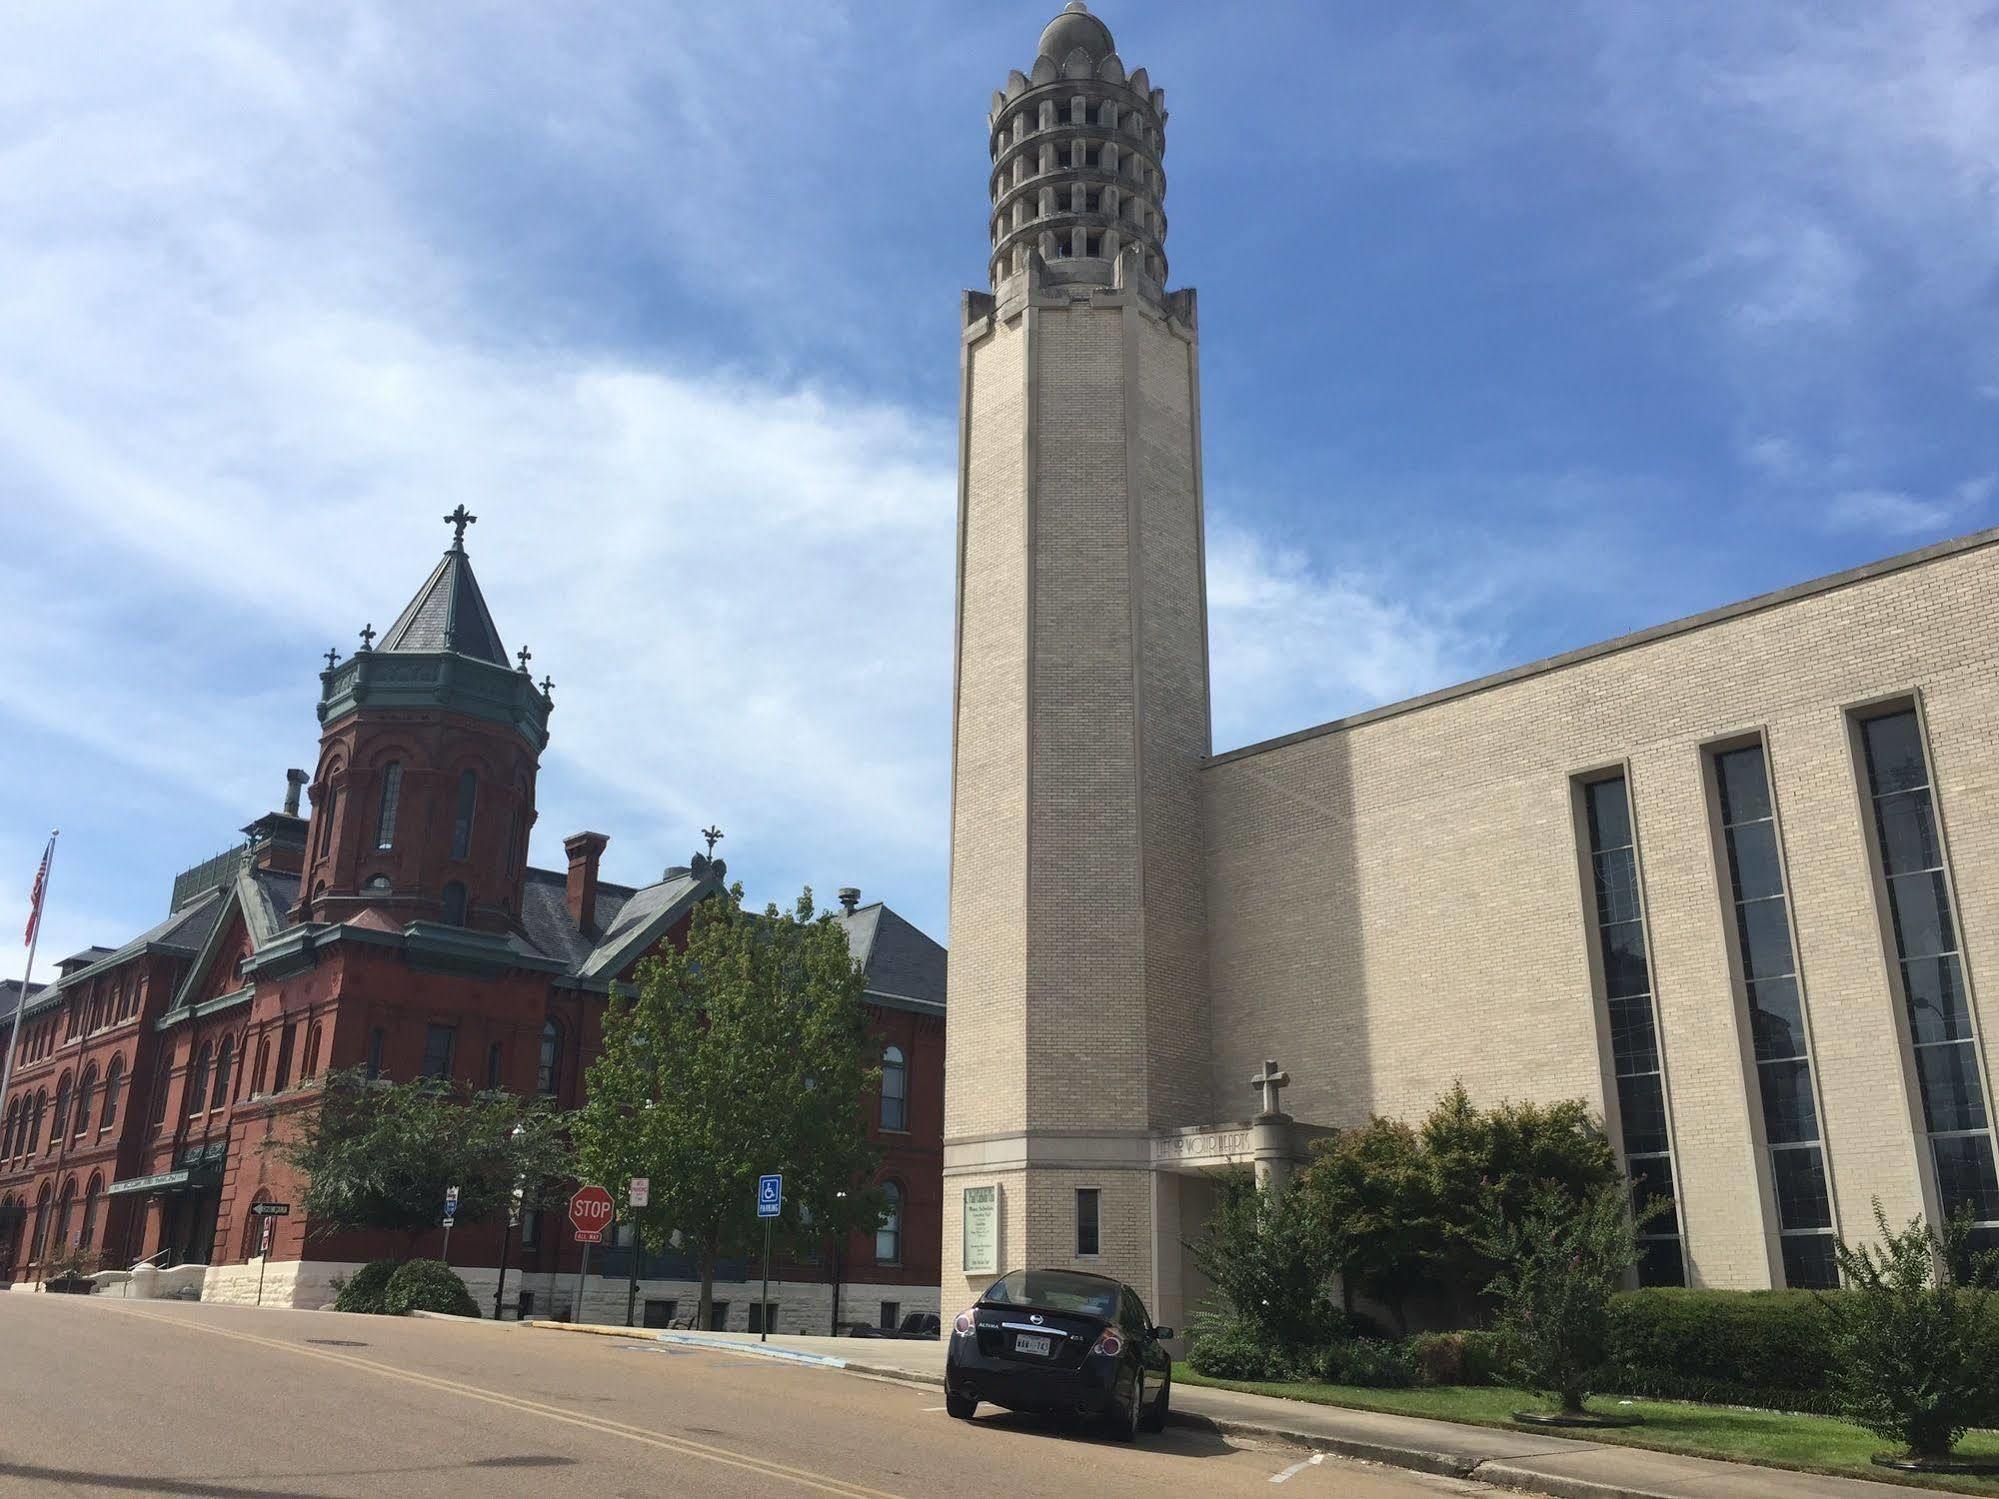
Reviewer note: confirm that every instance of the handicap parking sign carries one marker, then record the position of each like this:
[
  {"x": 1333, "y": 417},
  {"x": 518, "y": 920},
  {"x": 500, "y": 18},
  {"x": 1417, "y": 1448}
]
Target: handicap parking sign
[{"x": 770, "y": 1195}]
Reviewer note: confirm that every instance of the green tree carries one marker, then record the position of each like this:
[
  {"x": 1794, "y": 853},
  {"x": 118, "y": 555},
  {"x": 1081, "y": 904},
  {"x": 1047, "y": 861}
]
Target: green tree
[
  {"x": 1911, "y": 1340},
  {"x": 747, "y": 1052},
  {"x": 1369, "y": 1206},
  {"x": 1267, "y": 1279},
  {"x": 376, "y": 1154},
  {"x": 1559, "y": 1261},
  {"x": 1506, "y": 1158}
]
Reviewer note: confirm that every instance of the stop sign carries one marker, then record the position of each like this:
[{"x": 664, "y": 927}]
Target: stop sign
[{"x": 590, "y": 1213}]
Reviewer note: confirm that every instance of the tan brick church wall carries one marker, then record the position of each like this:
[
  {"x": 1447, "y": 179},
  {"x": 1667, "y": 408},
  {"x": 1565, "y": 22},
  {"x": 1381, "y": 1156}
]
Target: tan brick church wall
[{"x": 1397, "y": 901}]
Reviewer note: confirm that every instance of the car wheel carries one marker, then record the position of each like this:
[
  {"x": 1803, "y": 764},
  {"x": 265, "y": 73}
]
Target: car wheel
[
  {"x": 1125, "y": 1419},
  {"x": 1155, "y": 1414},
  {"x": 959, "y": 1406}
]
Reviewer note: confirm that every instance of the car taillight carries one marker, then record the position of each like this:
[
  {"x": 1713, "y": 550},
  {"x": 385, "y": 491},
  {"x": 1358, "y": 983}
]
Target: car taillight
[
  {"x": 1110, "y": 1342},
  {"x": 962, "y": 1323}
]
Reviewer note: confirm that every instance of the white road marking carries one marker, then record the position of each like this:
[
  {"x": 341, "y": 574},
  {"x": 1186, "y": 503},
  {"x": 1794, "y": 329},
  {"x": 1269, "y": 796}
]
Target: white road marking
[
  {"x": 1303, "y": 1463},
  {"x": 928, "y": 1409}
]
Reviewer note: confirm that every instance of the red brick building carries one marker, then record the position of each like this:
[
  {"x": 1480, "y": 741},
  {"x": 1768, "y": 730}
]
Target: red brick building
[{"x": 400, "y": 927}]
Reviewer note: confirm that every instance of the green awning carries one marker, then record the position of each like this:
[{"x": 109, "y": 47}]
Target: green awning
[{"x": 187, "y": 1179}]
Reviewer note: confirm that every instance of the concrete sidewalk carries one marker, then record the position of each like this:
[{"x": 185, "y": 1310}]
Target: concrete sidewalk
[{"x": 1565, "y": 1467}]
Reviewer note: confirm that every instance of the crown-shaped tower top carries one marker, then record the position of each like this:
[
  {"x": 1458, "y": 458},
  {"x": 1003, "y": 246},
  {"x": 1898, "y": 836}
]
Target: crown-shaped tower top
[{"x": 1077, "y": 182}]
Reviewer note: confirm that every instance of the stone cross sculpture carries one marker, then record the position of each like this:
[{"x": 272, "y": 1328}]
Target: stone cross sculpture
[
  {"x": 1270, "y": 1080},
  {"x": 1270, "y": 1132}
]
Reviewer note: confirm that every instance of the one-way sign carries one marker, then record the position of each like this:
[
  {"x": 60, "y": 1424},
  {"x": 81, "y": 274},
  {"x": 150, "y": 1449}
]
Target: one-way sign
[{"x": 270, "y": 1210}]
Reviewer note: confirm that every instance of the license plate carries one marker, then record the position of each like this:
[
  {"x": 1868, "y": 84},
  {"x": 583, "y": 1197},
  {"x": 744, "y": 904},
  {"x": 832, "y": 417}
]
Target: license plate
[{"x": 1033, "y": 1342}]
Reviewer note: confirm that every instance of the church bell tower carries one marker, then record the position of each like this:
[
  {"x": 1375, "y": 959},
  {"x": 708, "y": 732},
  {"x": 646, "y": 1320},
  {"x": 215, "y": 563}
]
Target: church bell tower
[{"x": 1078, "y": 1024}]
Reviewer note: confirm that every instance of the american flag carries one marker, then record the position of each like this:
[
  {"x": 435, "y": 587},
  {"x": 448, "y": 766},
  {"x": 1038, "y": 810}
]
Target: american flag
[{"x": 41, "y": 888}]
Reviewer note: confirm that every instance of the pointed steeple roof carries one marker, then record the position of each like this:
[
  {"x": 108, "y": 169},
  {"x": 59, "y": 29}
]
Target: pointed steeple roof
[{"x": 448, "y": 614}]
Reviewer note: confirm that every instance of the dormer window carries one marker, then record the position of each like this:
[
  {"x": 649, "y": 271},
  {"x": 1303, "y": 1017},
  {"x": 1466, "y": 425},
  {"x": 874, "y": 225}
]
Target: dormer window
[{"x": 392, "y": 790}]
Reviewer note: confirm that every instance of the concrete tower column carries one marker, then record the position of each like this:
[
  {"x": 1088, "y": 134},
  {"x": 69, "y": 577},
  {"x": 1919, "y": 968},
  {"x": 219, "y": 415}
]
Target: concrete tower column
[{"x": 1078, "y": 1022}]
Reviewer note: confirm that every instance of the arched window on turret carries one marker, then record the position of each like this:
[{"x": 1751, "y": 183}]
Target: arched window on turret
[
  {"x": 392, "y": 792},
  {"x": 326, "y": 820},
  {"x": 461, "y": 827}
]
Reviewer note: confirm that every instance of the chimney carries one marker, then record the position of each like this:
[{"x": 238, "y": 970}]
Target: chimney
[
  {"x": 294, "y": 783},
  {"x": 584, "y": 850},
  {"x": 850, "y": 898}
]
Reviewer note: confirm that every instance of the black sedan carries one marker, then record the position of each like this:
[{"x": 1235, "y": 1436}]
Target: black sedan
[{"x": 1060, "y": 1340}]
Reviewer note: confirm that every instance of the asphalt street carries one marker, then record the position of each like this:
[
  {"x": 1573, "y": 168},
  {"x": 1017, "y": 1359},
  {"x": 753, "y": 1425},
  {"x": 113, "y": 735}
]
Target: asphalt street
[{"x": 100, "y": 1396}]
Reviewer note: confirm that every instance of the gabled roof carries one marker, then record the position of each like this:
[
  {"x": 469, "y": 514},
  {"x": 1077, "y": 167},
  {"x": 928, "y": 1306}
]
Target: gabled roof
[
  {"x": 447, "y": 614},
  {"x": 182, "y": 933},
  {"x": 545, "y": 916},
  {"x": 265, "y": 898},
  {"x": 643, "y": 919},
  {"x": 906, "y": 968},
  {"x": 10, "y": 996}
]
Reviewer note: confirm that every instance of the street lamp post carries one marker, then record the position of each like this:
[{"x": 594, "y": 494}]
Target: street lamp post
[{"x": 507, "y": 1233}]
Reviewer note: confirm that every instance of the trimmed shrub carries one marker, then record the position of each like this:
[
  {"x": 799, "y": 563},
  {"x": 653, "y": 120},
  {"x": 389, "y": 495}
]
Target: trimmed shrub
[
  {"x": 1456, "y": 1358},
  {"x": 362, "y": 1292},
  {"x": 1370, "y": 1362},
  {"x": 1228, "y": 1350},
  {"x": 427, "y": 1286},
  {"x": 1763, "y": 1348}
]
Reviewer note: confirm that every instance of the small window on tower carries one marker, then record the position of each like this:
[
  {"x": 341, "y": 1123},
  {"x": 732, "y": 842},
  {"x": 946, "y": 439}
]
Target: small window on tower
[
  {"x": 461, "y": 829},
  {"x": 454, "y": 904},
  {"x": 392, "y": 790}
]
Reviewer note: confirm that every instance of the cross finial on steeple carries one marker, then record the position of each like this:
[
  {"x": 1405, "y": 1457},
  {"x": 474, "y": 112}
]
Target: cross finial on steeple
[
  {"x": 547, "y": 686},
  {"x": 458, "y": 520},
  {"x": 368, "y": 636},
  {"x": 714, "y": 836},
  {"x": 332, "y": 658},
  {"x": 524, "y": 655}
]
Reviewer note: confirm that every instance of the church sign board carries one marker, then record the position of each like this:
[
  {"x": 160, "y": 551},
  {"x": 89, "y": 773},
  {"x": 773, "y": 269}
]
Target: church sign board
[{"x": 982, "y": 1230}]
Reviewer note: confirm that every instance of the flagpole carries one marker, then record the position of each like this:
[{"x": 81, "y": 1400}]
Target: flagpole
[{"x": 28, "y": 973}]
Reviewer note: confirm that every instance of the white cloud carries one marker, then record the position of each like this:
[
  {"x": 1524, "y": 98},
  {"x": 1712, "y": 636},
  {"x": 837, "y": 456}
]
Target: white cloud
[
  {"x": 1897, "y": 513},
  {"x": 1293, "y": 643}
]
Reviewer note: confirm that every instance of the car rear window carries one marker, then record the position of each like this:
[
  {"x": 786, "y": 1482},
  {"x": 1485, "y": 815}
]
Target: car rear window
[{"x": 1056, "y": 1291}]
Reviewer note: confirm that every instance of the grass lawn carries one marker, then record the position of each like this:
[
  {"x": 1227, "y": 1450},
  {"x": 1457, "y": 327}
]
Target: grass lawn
[{"x": 1815, "y": 1444}]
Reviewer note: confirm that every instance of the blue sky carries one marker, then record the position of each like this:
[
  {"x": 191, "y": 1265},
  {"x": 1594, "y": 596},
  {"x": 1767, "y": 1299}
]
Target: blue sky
[{"x": 1522, "y": 326}]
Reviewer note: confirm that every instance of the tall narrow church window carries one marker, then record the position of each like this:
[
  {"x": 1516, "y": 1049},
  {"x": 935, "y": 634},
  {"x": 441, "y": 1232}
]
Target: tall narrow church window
[
  {"x": 1089, "y": 1223},
  {"x": 311, "y": 1067},
  {"x": 59, "y": 1129},
  {"x": 1634, "y": 1024},
  {"x": 88, "y": 1232},
  {"x": 287, "y": 1040},
  {"x": 86, "y": 1095},
  {"x": 461, "y": 827},
  {"x": 376, "y": 1040},
  {"x": 1935, "y": 994},
  {"x": 454, "y": 903},
  {"x": 493, "y": 1065},
  {"x": 895, "y": 1090},
  {"x": 1776, "y": 1003},
  {"x": 392, "y": 792}
]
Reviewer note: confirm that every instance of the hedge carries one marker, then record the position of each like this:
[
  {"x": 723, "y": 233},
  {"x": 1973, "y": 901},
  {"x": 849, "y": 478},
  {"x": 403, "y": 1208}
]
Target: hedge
[{"x": 1771, "y": 1349}]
